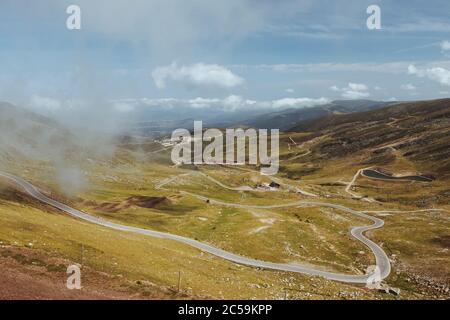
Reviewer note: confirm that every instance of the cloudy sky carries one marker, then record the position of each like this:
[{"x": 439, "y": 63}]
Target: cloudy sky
[{"x": 234, "y": 53}]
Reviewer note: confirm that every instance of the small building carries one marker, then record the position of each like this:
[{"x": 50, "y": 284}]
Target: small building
[{"x": 268, "y": 186}]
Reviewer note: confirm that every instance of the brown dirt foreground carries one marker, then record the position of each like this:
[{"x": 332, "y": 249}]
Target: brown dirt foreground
[{"x": 26, "y": 274}]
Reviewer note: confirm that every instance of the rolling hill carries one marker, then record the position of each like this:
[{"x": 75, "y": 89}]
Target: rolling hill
[
  {"x": 286, "y": 119},
  {"x": 418, "y": 131}
]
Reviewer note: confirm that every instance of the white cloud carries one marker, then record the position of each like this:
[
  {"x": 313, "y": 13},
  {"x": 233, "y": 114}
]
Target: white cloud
[
  {"x": 199, "y": 74},
  {"x": 445, "y": 45},
  {"x": 353, "y": 91},
  {"x": 335, "y": 88},
  {"x": 289, "y": 90},
  {"x": 298, "y": 102},
  {"x": 234, "y": 102},
  {"x": 357, "y": 86},
  {"x": 45, "y": 103},
  {"x": 437, "y": 74},
  {"x": 396, "y": 67},
  {"x": 171, "y": 27},
  {"x": 355, "y": 94},
  {"x": 412, "y": 69},
  {"x": 202, "y": 102},
  {"x": 408, "y": 87},
  {"x": 229, "y": 103}
]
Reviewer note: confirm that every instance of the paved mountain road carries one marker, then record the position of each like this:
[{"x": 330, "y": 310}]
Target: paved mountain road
[{"x": 382, "y": 261}]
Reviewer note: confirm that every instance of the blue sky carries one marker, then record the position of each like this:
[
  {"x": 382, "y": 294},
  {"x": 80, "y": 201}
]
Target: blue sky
[{"x": 236, "y": 53}]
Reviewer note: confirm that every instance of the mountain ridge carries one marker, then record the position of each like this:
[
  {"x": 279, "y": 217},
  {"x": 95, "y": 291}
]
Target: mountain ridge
[{"x": 286, "y": 119}]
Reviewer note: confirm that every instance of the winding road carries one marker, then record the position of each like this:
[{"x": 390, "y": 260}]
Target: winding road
[
  {"x": 382, "y": 261},
  {"x": 377, "y": 175}
]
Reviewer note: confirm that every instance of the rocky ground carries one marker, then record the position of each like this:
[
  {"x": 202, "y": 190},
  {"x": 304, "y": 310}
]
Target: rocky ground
[{"x": 30, "y": 275}]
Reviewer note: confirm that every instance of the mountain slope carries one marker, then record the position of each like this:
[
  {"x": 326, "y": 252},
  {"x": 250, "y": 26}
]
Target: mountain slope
[
  {"x": 286, "y": 119},
  {"x": 25, "y": 135},
  {"x": 417, "y": 131}
]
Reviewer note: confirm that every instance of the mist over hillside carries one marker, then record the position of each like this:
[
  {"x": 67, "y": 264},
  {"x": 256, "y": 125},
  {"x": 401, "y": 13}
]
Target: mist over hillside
[
  {"x": 31, "y": 139},
  {"x": 155, "y": 118}
]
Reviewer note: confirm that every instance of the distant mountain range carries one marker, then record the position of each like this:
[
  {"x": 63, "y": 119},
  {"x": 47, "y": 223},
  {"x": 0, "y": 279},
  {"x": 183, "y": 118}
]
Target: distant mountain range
[
  {"x": 155, "y": 120},
  {"x": 286, "y": 119},
  {"x": 420, "y": 131},
  {"x": 265, "y": 118}
]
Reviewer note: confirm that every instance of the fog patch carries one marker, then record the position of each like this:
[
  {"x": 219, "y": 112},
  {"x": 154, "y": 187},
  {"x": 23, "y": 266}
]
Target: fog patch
[{"x": 71, "y": 180}]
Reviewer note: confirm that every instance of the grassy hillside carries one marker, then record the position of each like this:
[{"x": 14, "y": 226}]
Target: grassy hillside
[
  {"x": 418, "y": 131},
  {"x": 286, "y": 119},
  {"x": 135, "y": 183}
]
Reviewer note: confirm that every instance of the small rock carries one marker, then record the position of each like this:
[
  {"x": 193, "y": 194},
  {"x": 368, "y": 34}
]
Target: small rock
[{"x": 394, "y": 291}]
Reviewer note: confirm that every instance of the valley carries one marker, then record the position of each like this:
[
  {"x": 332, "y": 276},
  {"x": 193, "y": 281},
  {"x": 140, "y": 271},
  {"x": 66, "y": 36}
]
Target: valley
[{"x": 316, "y": 222}]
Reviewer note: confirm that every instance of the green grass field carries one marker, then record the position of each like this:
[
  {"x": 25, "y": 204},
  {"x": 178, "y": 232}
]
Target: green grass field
[{"x": 318, "y": 236}]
